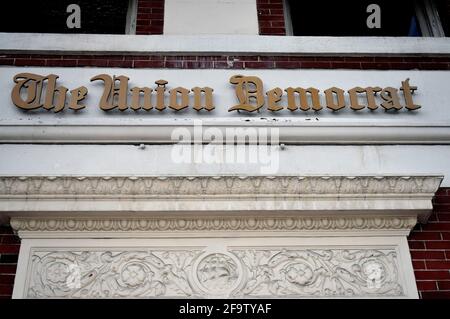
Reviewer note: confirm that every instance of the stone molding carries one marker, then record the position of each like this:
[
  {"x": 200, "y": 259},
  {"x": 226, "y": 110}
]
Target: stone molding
[
  {"x": 152, "y": 206},
  {"x": 205, "y": 186},
  {"x": 200, "y": 224}
]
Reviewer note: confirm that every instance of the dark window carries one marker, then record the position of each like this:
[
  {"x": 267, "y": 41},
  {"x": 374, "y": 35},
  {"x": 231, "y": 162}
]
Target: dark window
[
  {"x": 443, "y": 7},
  {"x": 49, "y": 16},
  {"x": 348, "y": 18}
]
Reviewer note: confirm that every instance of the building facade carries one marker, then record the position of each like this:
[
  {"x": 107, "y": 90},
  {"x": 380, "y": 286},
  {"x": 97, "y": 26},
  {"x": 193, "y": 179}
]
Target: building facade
[{"x": 206, "y": 148}]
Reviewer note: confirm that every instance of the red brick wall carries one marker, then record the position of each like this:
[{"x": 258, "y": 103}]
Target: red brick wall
[
  {"x": 150, "y": 17},
  {"x": 430, "y": 250},
  {"x": 229, "y": 62},
  {"x": 271, "y": 17},
  {"x": 9, "y": 251}
]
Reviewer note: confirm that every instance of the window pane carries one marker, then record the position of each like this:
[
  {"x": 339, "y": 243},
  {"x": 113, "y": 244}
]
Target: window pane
[
  {"x": 349, "y": 18},
  {"x": 49, "y": 16}
]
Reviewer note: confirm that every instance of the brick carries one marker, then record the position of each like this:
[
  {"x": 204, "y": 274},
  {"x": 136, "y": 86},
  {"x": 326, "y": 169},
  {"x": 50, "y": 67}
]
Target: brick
[
  {"x": 442, "y": 199},
  {"x": 9, "y": 239},
  {"x": 436, "y": 295},
  {"x": 5, "y": 61},
  {"x": 64, "y": 63},
  {"x": 273, "y": 31},
  {"x": 425, "y": 236},
  {"x": 6, "y": 279},
  {"x": 9, "y": 249},
  {"x": 6, "y": 289},
  {"x": 444, "y": 285},
  {"x": 148, "y": 64},
  {"x": 438, "y": 226},
  {"x": 120, "y": 63},
  {"x": 30, "y": 62},
  {"x": 301, "y": 58},
  {"x": 434, "y": 66},
  {"x": 441, "y": 206},
  {"x": 6, "y": 230},
  {"x": 8, "y": 258},
  {"x": 287, "y": 64},
  {"x": 443, "y": 217},
  {"x": 418, "y": 264},
  {"x": 359, "y": 59},
  {"x": 431, "y": 274},
  {"x": 416, "y": 244},
  {"x": 429, "y": 255},
  {"x": 259, "y": 65},
  {"x": 174, "y": 64},
  {"x": 442, "y": 191},
  {"x": 426, "y": 285},
  {"x": 375, "y": 65},
  {"x": 438, "y": 264},
  {"x": 8, "y": 269},
  {"x": 92, "y": 62},
  {"x": 346, "y": 65},
  {"x": 198, "y": 64},
  {"x": 226, "y": 65},
  {"x": 444, "y": 244}
]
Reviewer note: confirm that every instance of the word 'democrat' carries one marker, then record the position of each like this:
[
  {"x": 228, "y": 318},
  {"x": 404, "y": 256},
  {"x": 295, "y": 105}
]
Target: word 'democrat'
[{"x": 33, "y": 91}]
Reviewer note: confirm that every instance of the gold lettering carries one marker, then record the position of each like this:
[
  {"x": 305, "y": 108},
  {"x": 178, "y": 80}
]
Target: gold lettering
[
  {"x": 113, "y": 96},
  {"x": 273, "y": 97},
  {"x": 331, "y": 103},
  {"x": 248, "y": 88},
  {"x": 304, "y": 104},
  {"x": 33, "y": 83},
  {"x": 50, "y": 94},
  {"x": 208, "y": 93},
  {"x": 371, "y": 92},
  {"x": 160, "y": 90},
  {"x": 390, "y": 96},
  {"x": 183, "y": 93},
  {"x": 136, "y": 95},
  {"x": 77, "y": 95},
  {"x": 408, "y": 91}
]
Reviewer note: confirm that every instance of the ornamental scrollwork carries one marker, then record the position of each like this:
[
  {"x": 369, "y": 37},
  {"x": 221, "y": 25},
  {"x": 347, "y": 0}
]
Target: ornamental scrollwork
[{"x": 238, "y": 272}]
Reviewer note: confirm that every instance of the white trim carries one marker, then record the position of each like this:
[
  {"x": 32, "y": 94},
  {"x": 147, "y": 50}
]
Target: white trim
[
  {"x": 219, "y": 44},
  {"x": 29, "y": 247},
  {"x": 347, "y": 133},
  {"x": 287, "y": 18},
  {"x": 428, "y": 18},
  {"x": 130, "y": 26}
]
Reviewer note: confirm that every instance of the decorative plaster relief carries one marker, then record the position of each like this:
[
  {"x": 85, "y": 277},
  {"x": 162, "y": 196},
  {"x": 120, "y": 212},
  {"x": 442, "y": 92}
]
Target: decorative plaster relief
[
  {"x": 195, "y": 272},
  {"x": 200, "y": 186}
]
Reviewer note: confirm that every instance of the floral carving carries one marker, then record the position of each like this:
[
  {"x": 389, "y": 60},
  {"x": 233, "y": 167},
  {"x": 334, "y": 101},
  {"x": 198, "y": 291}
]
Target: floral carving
[
  {"x": 333, "y": 272},
  {"x": 240, "y": 272}
]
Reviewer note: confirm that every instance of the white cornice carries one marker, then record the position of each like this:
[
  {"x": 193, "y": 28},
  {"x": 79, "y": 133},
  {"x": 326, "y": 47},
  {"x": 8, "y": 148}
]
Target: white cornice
[
  {"x": 215, "y": 203},
  {"x": 220, "y": 44}
]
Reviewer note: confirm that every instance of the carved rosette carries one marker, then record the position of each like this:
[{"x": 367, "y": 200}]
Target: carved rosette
[{"x": 239, "y": 272}]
